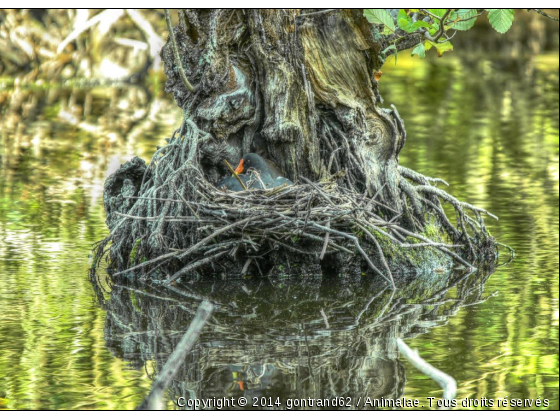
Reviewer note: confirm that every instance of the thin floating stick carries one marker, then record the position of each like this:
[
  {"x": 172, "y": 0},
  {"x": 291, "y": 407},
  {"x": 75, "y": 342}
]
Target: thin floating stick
[
  {"x": 154, "y": 400},
  {"x": 446, "y": 382}
]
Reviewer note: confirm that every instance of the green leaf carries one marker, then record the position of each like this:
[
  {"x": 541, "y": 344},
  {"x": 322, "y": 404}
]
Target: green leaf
[
  {"x": 443, "y": 47},
  {"x": 501, "y": 19},
  {"x": 421, "y": 24},
  {"x": 440, "y": 47},
  {"x": 462, "y": 15},
  {"x": 380, "y": 17},
  {"x": 419, "y": 50},
  {"x": 403, "y": 15},
  {"x": 438, "y": 12},
  {"x": 404, "y": 21},
  {"x": 404, "y": 25}
]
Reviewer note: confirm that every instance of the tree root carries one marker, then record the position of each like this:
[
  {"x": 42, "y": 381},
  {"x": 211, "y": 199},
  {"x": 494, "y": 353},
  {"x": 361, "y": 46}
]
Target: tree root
[{"x": 174, "y": 221}]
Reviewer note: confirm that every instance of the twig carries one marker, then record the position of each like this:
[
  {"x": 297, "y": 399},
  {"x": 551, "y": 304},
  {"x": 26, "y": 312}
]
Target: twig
[
  {"x": 235, "y": 174},
  {"x": 446, "y": 382},
  {"x": 540, "y": 12},
  {"x": 443, "y": 249},
  {"x": 316, "y": 188},
  {"x": 441, "y": 24},
  {"x": 381, "y": 253},
  {"x": 109, "y": 14},
  {"x": 145, "y": 263},
  {"x": 154, "y": 400},
  {"x": 418, "y": 177},
  {"x": 325, "y": 244},
  {"x": 152, "y": 38},
  {"x": 510, "y": 249},
  {"x": 246, "y": 266},
  {"x": 449, "y": 198},
  {"x": 366, "y": 307},
  {"x": 219, "y": 232},
  {"x": 435, "y": 244},
  {"x": 194, "y": 265},
  {"x": 358, "y": 247}
]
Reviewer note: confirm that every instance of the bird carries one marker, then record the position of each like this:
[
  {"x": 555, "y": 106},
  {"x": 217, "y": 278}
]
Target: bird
[
  {"x": 270, "y": 174},
  {"x": 256, "y": 173},
  {"x": 249, "y": 180}
]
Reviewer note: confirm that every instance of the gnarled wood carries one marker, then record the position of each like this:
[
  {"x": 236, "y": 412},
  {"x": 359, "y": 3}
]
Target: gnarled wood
[{"x": 300, "y": 88}]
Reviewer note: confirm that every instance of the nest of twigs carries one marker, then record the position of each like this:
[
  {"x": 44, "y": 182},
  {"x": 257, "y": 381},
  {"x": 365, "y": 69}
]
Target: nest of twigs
[{"x": 167, "y": 220}]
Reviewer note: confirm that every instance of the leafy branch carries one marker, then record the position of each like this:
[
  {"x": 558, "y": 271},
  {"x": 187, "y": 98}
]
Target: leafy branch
[{"x": 432, "y": 28}]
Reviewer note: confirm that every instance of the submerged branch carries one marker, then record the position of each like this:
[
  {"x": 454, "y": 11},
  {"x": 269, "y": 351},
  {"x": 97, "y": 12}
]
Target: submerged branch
[
  {"x": 154, "y": 400},
  {"x": 446, "y": 382}
]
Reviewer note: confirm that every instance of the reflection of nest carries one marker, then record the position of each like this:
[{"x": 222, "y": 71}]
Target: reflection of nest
[
  {"x": 166, "y": 219},
  {"x": 274, "y": 339}
]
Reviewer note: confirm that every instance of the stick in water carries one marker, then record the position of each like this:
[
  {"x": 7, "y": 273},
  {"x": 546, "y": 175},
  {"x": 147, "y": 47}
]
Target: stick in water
[
  {"x": 446, "y": 382},
  {"x": 154, "y": 400}
]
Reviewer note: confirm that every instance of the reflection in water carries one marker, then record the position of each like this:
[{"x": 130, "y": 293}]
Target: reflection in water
[
  {"x": 492, "y": 132},
  {"x": 288, "y": 339},
  {"x": 53, "y": 163},
  {"x": 493, "y": 135}
]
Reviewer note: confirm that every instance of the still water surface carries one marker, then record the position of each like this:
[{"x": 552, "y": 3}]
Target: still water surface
[{"x": 490, "y": 131}]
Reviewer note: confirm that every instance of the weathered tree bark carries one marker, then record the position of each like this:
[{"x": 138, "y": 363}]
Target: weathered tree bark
[
  {"x": 299, "y": 87},
  {"x": 304, "y": 81}
]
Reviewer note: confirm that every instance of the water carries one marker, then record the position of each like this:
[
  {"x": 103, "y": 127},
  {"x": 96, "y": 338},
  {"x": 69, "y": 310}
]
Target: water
[
  {"x": 494, "y": 137},
  {"x": 491, "y": 131}
]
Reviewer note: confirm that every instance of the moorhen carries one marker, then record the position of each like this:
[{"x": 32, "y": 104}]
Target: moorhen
[
  {"x": 250, "y": 181},
  {"x": 269, "y": 172}
]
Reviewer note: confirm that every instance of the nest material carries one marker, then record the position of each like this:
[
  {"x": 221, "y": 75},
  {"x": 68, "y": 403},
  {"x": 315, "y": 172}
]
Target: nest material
[{"x": 173, "y": 221}]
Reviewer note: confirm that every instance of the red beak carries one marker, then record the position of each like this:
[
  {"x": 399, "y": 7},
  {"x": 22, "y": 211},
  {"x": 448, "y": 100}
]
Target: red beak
[{"x": 239, "y": 168}]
